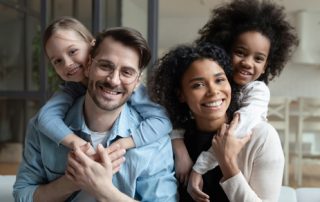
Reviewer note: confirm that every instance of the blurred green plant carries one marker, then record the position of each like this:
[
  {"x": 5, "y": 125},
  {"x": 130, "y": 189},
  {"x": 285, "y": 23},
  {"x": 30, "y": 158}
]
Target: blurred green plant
[{"x": 53, "y": 79}]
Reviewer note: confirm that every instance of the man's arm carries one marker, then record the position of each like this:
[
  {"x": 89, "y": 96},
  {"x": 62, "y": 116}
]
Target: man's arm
[
  {"x": 58, "y": 190},
  {"x": 32, "y": 180}
]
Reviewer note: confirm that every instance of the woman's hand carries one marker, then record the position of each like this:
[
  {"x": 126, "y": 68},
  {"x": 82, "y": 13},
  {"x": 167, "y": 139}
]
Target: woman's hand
[
  {"x": 227, "y": 147},
  {"x": 195, "y": 186}
]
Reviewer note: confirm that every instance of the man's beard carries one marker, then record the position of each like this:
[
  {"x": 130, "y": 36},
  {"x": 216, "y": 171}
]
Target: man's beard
[{"x": 102, "y": 103}]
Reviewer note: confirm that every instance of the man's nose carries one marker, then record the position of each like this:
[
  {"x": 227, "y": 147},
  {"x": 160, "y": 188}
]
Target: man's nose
[{"x": 114, "y": 78}]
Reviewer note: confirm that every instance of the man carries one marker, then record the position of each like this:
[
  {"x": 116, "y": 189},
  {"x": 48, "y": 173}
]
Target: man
[{"x": 117, "y": 60}]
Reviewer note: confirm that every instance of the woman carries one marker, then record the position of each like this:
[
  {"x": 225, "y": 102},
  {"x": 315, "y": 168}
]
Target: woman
[{"x": 194, "y": 85}]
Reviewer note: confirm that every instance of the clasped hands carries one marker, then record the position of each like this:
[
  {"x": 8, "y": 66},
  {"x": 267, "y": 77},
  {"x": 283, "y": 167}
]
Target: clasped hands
[{"x": 93, "y": 172}]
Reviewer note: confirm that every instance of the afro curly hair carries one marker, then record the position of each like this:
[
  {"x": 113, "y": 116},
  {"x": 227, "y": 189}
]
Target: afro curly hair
[
  {"x": 231, "y": 19},
  {"x": 165, "y": 82}
]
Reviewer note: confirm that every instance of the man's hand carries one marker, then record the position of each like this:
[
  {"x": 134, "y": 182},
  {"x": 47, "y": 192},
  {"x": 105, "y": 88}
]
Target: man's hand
[
  {"x": 92, "y": 176},
  {"x": 195, "y": 186}
]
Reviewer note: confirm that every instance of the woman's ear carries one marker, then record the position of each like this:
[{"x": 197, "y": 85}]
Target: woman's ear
[{"x": 181, "y": 96}]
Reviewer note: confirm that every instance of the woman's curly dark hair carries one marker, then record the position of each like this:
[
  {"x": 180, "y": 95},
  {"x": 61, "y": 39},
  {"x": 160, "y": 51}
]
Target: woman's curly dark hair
[
  {"x": 165, "y": 82},
  {"x": 232, "y": 19}
]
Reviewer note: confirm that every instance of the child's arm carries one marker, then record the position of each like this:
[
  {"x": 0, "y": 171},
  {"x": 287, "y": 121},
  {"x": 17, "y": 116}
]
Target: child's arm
[
  {"x": 155, "y": 124},
  {"x": 253, "y": 107},
  {"x": 182, "y": 160},
  {"x": 51, "y": 115}
]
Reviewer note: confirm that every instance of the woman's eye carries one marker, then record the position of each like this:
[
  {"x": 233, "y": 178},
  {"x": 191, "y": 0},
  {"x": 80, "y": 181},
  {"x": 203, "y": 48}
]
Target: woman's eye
[
  {"x": 197, "y": 85},
  {"x": 220, "y": 80}
]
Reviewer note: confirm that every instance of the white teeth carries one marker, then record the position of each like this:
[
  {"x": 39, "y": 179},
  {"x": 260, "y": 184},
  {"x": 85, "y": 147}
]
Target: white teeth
[
  {"x": 245, "y": 73},
  {"x": 214, "y": 104},
  {"x": 110, "y": 92}
]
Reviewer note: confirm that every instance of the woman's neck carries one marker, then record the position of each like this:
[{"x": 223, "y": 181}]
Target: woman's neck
[{"x": 210, "y": 125}]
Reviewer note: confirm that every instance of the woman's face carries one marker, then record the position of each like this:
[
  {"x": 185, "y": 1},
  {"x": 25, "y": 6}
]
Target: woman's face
[
  {"x": 249, "y": 57},
  {"x": 206, "y": 90},
  {"x": 68, "y": 53}
]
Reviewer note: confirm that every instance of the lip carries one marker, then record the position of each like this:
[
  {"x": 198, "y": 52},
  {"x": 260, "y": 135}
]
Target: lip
[
  {"x": 73, "y": 71},
  {"x": 213, "y": 104},
  {"x": 109, "y": 94}
]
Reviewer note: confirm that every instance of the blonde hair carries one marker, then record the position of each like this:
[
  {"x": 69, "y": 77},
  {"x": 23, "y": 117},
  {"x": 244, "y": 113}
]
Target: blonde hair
[{"x": 67, "y": 23}]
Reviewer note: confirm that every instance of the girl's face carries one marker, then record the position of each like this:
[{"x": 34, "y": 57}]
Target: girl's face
[
  {"x": 249, "y": 57},
  {"x": 68, "y": 53},
  {"x": 206, "y": 90}
]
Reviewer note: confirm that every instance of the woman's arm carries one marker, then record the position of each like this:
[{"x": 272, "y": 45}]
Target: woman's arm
[{"x": 256, "y": 172}]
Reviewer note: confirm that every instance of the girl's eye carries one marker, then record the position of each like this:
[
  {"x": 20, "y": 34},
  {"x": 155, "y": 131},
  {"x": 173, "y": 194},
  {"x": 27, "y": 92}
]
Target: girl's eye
[
  {"x": 57, "y": 62},
  {"x": 73, "y": 51},
  {"x": 239, "y": 53},
  {"x": 260, "y": 59}
]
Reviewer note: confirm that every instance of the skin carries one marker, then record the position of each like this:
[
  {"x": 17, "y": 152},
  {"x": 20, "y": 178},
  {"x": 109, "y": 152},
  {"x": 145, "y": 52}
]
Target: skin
[
  {"x": 68, "y": 53},
  {"x": 206, "y": 90},
  {"x": 249, "y": 57},
  {"x": 103, "y": 103},
  {"x": 107, "y": 94}
]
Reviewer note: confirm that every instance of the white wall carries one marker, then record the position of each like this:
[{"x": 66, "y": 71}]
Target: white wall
[{"x": 297, "y": 80}]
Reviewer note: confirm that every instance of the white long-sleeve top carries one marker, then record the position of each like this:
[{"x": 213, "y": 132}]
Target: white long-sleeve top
[
  {"x": 254, "y": 99},
  {"x": 261, "y": 163}
]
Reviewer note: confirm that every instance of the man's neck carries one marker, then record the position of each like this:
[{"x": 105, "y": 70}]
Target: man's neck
[{"x": 97, "y": 119}]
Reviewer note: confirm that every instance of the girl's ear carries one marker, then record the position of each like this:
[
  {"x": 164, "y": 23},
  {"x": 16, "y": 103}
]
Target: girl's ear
[{"x": 93, "y": 42}]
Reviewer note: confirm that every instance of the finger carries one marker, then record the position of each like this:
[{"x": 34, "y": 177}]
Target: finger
[
  {"x": 118, "y": 162},
  {"x": 81, "y": 157},
  {"x": 200, "y": 194},
  {"x": 105, "y": 160},
  {"x": 115, "y": 170},
  {"x": 85, "y": 147},
  {"x": 117, "y": 154},
  {"x": 113, "y": 148},
  {"x": 246, "y": 138},
  {"x": 223, "y": 129},
  {"x": 235, "y": 121}
]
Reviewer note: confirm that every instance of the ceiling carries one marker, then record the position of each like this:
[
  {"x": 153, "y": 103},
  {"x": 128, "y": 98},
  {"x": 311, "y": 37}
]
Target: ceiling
[{"x": 180, "y": 20}]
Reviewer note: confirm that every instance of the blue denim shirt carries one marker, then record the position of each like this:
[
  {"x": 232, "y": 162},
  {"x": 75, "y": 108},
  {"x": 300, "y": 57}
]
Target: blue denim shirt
[
  {"x": 146, "y": 175},
  {"x": 155, "y": 122}
]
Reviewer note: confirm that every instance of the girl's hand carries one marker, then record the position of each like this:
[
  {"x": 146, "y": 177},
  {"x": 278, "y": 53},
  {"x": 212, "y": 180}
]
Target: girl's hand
[
  {"x": 195, "y": 186},
  {"x": 227, "y": 147}
]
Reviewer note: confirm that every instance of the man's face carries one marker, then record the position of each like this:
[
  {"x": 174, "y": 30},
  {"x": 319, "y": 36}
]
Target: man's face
[{"x": 113, "y": 74}]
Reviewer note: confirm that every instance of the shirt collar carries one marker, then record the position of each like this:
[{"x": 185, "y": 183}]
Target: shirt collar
[{"x": 121, "y": 126}]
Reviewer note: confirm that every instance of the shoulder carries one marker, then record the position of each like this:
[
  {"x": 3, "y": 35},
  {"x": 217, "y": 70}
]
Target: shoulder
[
  {"x": 265, "y": 136},
  {"x": 256, "y": 86}
]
